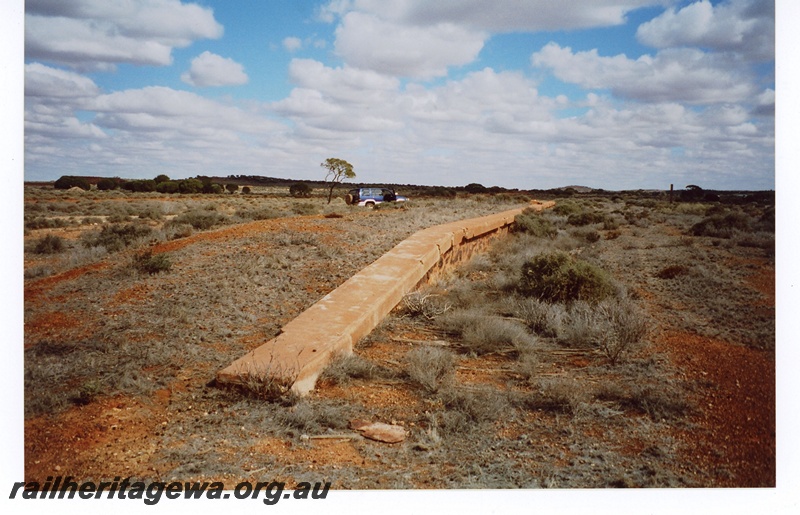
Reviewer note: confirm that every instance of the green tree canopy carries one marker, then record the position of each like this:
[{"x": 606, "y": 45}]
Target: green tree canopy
[{"x": 338, "y": 171}]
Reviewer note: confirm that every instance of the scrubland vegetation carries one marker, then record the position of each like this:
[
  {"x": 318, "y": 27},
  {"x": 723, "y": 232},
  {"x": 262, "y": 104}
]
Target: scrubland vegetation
[{"x": 532, "y": 365}]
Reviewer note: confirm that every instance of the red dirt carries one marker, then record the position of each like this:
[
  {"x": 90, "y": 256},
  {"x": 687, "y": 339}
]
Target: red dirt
[{"x": 733, "y": 433}]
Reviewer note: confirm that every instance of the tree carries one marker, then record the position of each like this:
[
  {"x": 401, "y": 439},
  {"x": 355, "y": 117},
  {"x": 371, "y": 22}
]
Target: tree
[
  {"x": 300, "y": 189},
  {"x": 338, "y": 171},
  {"x": 231, "y": 187}
]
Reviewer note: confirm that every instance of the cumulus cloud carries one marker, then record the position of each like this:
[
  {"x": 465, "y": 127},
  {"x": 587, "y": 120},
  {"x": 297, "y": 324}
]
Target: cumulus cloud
[
  {"x": 292, "y": 44},
  {"x": 743, "y": 26},
  {"x": 367, "y": 41},
  {"x": 679, "y": 75},
  {"x": 499, "y": 15},
  {"x": 209, "y": 69},
  {"x": 97, "y": 34}
]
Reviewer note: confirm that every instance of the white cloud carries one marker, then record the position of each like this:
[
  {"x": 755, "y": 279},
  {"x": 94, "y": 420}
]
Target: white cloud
[
  {"x": 209, "y": 69},
  {"x": 367, "y": 41},
  {"x": 743, "y": 26},
  {"x": 97, "y": 34},
  {"x": 499, "y": 15},
  {"x": 292, "y": 44},
  {"x": 52, "y": 83},
  {"x": 680, "y": 75}
]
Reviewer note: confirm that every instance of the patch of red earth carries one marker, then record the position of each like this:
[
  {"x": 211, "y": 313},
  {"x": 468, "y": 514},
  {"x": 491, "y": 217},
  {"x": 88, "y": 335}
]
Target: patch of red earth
[
  {"x": 56, "y": 324},
  {"x": 735, "y": 408},
  {"x": 35, "y": 290},
  {"x": 316, "y": 453},
  {"x": 88, "y": 441}
]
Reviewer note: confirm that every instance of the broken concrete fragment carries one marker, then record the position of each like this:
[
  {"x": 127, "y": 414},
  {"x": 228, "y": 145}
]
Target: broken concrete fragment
[{"x": 379, "y": 431}]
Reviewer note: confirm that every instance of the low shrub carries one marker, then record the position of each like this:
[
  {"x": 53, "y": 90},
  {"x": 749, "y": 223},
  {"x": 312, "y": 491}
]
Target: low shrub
[
  {"x": 201, "y": 219},
  {"x": 116, "y": 237},
  {"x": 722, "y": 226},
  {"x": 431, "y": 367},
  {"x": 556, "y": 277},
  {"x": 586, "y": 218},
  {"x": 50, "y": 244},
  {"x": 672, "y": 271},
  {"x": 532, "y": 222},
  {"x": 264, "y": 213},
  {"x": 554, "y": 395},
  {"x": 344, "y": 368},
  {"x": 151, "y": 264}
]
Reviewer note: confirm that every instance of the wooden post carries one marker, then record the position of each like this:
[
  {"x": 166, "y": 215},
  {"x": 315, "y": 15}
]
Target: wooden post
[{"x": 670, "y": 193}]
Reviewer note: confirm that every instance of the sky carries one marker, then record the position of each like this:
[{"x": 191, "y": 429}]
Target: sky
[{"x": 612, "y": 94}]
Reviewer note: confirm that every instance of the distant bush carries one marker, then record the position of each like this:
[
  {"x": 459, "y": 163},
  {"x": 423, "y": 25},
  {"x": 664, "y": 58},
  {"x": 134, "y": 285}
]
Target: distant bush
[
  {"x": 151, "y": 264},
  {"x": 50, "y": 244},
  {"x": 555, "y": 277},
  {"x": 440, "y": 191},
  {"x": 532, "y": 222},
  {"x": 168, "y": 187},
  {"x": 232, "y": 188},
  {"x": 474, "y": 187},
  {"x": 117, "y": 237},
  {"x": 106, "y": 184},
  {"x": 140, "y": 186},
  {"x": 190, "y": 186},
  {"x": 300, "y": 189},
  {"x": 201, "y": 220},
  {"x": 70, "y": 181},
  {"x": 246, "y": 190},
  {"x": 161, "y": 178}
]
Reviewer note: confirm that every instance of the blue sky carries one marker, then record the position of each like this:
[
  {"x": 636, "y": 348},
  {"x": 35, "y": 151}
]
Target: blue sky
[{"x": 614, "y": 94}]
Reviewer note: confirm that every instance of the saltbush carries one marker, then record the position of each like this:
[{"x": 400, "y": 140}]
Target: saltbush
[
  {"x": 116, "y": 237},
  {"x": 201, "y": 220},
  {"x": 531, "y": 222},
  {"x": 148, "y": 263},
  {"x": 556, "y": 277},
  {"x": 50, "y": 244},
  {"x": 722, "y": 226}
]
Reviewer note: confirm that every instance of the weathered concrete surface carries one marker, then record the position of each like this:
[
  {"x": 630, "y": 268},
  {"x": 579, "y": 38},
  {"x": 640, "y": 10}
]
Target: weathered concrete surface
[{"x": 298, "y": 355}]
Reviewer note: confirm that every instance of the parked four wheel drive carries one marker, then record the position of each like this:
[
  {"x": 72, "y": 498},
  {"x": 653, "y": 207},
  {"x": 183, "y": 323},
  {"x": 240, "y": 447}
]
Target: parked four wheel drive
[{"x": 371, "y": 197}]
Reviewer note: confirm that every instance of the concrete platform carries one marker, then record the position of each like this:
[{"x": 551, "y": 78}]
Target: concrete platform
[{"x": 332, "y": 326}]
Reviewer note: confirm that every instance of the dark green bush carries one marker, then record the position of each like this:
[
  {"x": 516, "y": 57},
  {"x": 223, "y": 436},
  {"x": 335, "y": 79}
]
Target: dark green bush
[
  {"x": 246, "y": 190},
  {"x": 586, "y": 218},
  {"x": 106, "y": 184},
  {"x": 555, "y": 277},
  {"x": 474, "y": 187},
  {"x": 151, "y": 264},
  {"x": 566, "y": 208},
  {"x": 161, "y": 178},
  {"x": 300, "y": 190},
  {"x": 190, "y": 186},
  {"x": 70, "y": 181},
  {"x": 168, "y": 187},
  {"x": 532, "y": 222},
  {"x": 140, "y": 186},
  {"x": 50, "y": 244},
  {"x": 117, "y": 237}
]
